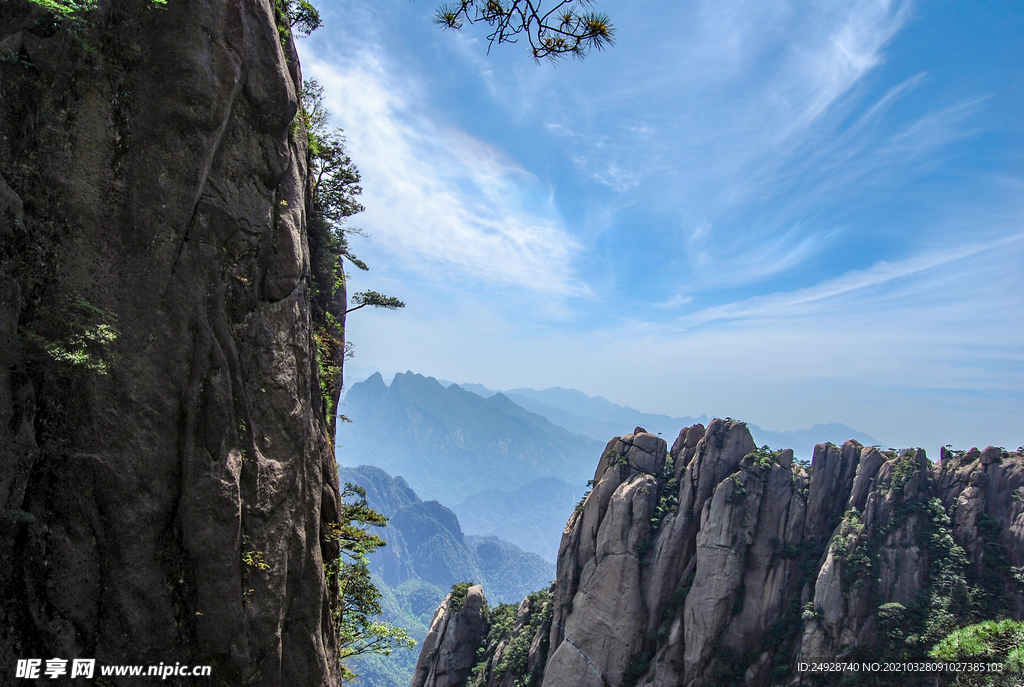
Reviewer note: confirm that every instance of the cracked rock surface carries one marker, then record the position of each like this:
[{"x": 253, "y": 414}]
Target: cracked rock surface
[
  {"x": 719, "y": 563},
  {"x": 175, "y": 507}
]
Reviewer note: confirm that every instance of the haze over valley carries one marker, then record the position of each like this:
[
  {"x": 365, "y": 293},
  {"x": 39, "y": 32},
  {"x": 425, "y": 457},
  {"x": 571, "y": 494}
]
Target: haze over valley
[{"x": 514, "y": 463}]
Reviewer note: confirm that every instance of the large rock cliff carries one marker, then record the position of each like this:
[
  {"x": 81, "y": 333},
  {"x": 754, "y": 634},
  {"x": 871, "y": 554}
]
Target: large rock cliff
[
  {"x": 166, "y": 473},
  {"x": 717, "y": 563}
]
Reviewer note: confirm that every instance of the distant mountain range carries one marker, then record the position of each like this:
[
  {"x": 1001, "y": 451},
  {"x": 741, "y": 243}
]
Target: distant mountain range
[
  {"x": 426, "y": 553},
  {"x": 599, "y": 418},
  {"x": 450, "y": 443},
  {"x": 426, "y": 542},
  {"x": 511, "y": 464},
  {"x": 532, "y": 516}
]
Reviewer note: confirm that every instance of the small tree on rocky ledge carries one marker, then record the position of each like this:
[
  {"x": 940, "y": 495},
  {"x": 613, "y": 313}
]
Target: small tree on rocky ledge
[
  {"x": 374, "y": 300},
  {"x": 359, "y": 603},
  {"x": 334, "y": 180}
]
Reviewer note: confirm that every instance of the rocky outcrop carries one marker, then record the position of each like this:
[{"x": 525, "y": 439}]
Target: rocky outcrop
[
  {"x": 503, "y": 646},
  {"x": 459, "y": 626},
  {"x": 720, "y": 563},
  {"x": 165, "y": 464},
  {"x": 580, "y": 539},
  {"x": 876, "y": 551},
  {"x": 516, "y": 657},
  {"x": 608, "y": 612}
]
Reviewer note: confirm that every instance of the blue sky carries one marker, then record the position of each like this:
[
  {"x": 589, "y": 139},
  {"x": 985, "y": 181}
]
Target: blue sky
[{"x": 785, "y": 212}]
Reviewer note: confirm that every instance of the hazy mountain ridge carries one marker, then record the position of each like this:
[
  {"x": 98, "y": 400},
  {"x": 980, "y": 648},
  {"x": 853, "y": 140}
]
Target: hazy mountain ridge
[
  {"x": 449, "y": 442},
  {"x": 426, "y": 553},
  {"x": 531, "y": 516},
  {"x": 592, "y": 427},
  {"x": 598, "y": 407},
  {"x": 426, "y": 542},
  {"x": 476, "y": 449},
  {"x": 601, "y": 419}
]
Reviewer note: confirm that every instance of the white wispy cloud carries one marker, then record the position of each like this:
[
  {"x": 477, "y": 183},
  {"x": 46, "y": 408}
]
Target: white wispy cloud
[
  {"x": 440, "y": 201},
  {"x": 827, "y": 69},
  {"x": 675, "y": 302},
  {"x": 782, "y": 125},
  {"x": 750, "y": 104},
  {"x": 617, "y": 178},
  {"x": 893, "y": 350},
  {"x": 781, "y": 304}
]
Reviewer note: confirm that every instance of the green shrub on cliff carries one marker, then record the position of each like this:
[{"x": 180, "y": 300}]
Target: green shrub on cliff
[
  {"x": 515, "y": 647},
  {"x": 71, "y": 333},
  {"x": 334, "y": 180},
  {"x": 302, "y": 17},
  {"x": 989, "y": 642},
  {"x": 359, "y": 604},
  {"x": 66, "y": 8},
  {"x": 72, "y": 13}
]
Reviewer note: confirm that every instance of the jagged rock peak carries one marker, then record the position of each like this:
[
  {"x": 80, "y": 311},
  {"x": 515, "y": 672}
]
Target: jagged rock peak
[
  {"x": 458, "y": 627},
  {"x": 721, "y": 563}
]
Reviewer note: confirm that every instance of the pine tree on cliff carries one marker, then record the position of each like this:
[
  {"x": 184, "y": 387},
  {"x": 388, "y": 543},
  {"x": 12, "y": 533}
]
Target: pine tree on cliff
[
  {"x": 334, "y": 185},
  {"x": 560, "y": 29}
]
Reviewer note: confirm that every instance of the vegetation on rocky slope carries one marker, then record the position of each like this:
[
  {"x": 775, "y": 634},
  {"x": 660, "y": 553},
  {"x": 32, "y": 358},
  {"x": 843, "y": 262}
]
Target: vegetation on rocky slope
[{"x": 718, "y": 563}]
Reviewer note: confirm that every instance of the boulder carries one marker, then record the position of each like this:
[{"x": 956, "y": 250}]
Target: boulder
[
  {"x": 608, "y": 619},
  {"x": 727, "y": 525},
  {"x": 990, "y": 455}
]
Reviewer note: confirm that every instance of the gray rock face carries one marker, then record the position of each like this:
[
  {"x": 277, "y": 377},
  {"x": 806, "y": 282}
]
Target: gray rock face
[
  {"x": 177, "y": 505},
  {"x": 870, "y": 461},
  {"x": 847, "y": 617},
  {"x": 767, "y": 577},
  {"x": 518, "y": 657},
  {"x": 728, "y": 522},
  {"x": 609, "y": 615},
  {"x": 449, "y": 650},
  {"x": 832, "y": 474},
  {"x": 763, "y": 563},
  {"x": 622, "y": 458}
]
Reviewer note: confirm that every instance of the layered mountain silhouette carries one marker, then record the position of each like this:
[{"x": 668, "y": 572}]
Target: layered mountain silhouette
[
  {"x": 600, "y": 419},
  {"x": 426, "y": 553},
  {"x": 531, "y": 516},
  {"x": 450, "y": 443},
  {"x": 425, "y": 542},
  {"x": 514, "y": 463}
]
